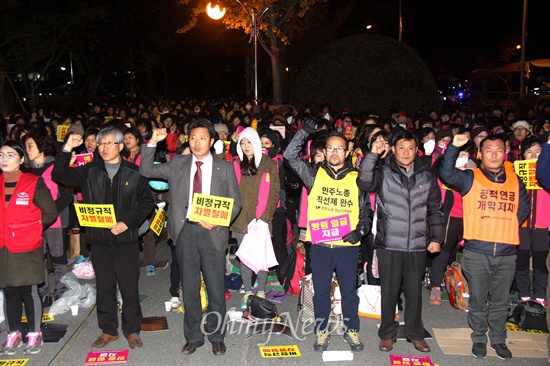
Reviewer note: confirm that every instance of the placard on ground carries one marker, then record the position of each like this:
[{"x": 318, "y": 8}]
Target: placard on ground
[{"x": 457, "y": 341}]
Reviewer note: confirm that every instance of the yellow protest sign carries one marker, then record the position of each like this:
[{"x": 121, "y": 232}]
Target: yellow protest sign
[
  {"x": 100, "y": 215},
  {"x": 212, "y": 209},
  {"x": 15, "y": 362},
  {"x": 158, "y": 221},
  {"x": 527, "y": 171},
  {"x": 62, "y": 132},
  {"x": 279, "y": 351},
  {"x": 45, "y": 318}
]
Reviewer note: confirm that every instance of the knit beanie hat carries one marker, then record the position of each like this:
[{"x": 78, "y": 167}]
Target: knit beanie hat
[{"x": 476, "y": 131}]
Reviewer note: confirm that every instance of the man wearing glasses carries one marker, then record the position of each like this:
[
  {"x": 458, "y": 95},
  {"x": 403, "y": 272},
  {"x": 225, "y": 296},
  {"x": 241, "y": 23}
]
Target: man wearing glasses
[
  {"x": 115, "y": 254},
  {"x": 337, "y": 220}
]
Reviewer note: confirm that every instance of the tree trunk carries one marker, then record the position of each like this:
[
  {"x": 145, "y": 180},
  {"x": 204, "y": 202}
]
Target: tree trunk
[{"x": 274, "y": 55}]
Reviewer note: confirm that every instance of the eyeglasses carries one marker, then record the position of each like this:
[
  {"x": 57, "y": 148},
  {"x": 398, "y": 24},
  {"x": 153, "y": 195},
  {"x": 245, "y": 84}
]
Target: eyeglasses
[
  {"x": 481, "y": 136},
  {"x": 8, "y": 156},
  {"x": 339, "y": 149},
  {"x": 380, "y": 143},
  {"x": 109, "y": 143}
]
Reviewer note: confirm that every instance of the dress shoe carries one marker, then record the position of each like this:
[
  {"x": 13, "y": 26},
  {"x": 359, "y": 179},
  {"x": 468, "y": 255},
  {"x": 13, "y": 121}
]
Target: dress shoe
[
  {"x": 103, "y": 340},
  {"x": 420, "y": 345},
  {"x": 218, "y": 348},
  {"x": 190, "y": 348},
  {"x": 386, "y": 345},
  {"x": 134, "y": 341}
]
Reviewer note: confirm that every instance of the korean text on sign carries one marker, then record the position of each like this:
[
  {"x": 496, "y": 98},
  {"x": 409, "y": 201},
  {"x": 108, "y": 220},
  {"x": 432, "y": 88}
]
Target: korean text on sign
[
  {"x": 212, "y": 209},
  {"x": 62, "y": 132},
  {"x": 100, "y": 215},
  {"x": 279, "y": 351},
  {"x": 106, "y": 357},
  {"x": 329, "y": 229},
  {"x": 82, "y": 159},
  {"x": 527, "y": 171},
  {"x": 158, "y": 222}
]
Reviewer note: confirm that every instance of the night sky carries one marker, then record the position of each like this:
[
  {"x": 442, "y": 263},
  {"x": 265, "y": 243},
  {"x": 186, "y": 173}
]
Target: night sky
[{"x": 449, "y": 36}]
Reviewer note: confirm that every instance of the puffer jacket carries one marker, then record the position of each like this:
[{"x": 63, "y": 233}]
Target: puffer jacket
[
  {"x": 129, "y": 193},
  {"x": 408, "y": 209}
]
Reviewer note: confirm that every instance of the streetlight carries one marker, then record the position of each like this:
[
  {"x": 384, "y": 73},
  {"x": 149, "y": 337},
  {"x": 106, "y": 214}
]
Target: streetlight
[{"x": 217, "y": 12}]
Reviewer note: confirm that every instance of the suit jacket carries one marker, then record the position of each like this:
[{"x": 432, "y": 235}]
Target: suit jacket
[{"x": 176, "y": 172}]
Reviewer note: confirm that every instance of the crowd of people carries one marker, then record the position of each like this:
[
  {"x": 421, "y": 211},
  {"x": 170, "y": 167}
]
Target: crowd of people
[{"x": 407, "y": 191}]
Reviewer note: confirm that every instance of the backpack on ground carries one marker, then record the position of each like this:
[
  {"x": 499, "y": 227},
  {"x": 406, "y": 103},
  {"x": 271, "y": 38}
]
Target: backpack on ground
[
  {"x": 530, "y": 315},
  {"x": 457, "y": 287}
]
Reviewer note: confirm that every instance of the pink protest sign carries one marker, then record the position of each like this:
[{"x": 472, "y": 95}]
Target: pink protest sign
[
  {"x": 329, "y": 229},
  {"x": 82, "y": 159},
  {"x": 106, "y": 357},
  {"x": 410, "y": 360}
]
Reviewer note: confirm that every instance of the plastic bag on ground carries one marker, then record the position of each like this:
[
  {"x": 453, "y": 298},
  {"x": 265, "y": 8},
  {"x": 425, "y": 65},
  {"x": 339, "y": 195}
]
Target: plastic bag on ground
[
  {"x": 87, "y": 296},
  {"x": 69, "y": 298}
]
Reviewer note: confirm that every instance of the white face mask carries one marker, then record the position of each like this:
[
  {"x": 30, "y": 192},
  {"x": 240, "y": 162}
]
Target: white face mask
[
  {"x": 429, "y": 146},
  {"x": 460, "y": 162}
]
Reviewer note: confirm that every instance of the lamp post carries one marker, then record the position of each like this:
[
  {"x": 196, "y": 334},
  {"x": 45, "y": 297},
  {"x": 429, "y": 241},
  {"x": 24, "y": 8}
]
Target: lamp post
[{"x": 216, "y": 12}]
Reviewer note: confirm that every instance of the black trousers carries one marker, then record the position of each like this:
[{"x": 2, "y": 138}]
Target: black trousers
[
  {"x": 279, "y": 233},
  {"x": 117, "y": 265},
  {"x": 14, "y": 300},
  {"x": 533, "y": 243},
  {"x": 396, "y": 268},
  {"x": 196, "y": 253},
  {"x": 440, "y": 260}
]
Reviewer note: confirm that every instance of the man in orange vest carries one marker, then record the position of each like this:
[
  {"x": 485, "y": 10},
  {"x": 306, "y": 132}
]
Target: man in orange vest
[{"x": 495, "y": 203}]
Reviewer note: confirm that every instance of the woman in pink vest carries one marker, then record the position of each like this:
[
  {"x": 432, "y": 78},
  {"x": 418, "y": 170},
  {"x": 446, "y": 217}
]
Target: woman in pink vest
[
  {"x": 259, "y": 185},
  {"x": 28, "y": 208},
  {"x": 533, "y": 235}
]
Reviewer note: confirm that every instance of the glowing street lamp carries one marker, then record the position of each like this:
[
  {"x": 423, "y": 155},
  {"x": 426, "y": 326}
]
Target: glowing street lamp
[{"x": 217, "y": 12}]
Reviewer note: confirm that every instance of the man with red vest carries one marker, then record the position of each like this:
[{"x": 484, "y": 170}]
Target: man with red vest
[{"x": 495, "y": 203}]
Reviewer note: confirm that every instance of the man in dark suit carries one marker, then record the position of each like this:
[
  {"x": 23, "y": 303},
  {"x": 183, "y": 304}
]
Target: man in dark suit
[{"x": 200, "y": 246}]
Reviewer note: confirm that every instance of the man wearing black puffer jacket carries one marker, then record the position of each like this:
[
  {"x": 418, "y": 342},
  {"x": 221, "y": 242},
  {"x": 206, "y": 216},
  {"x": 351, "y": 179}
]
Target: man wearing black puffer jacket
[
  {"x": 338, "y": 217},
  {"x": 115, "y": 254},
  {"x": 410, "y": 221}
]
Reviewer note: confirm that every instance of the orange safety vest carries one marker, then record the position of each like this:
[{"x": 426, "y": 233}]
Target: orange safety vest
[{"x": 490, "y": 209}]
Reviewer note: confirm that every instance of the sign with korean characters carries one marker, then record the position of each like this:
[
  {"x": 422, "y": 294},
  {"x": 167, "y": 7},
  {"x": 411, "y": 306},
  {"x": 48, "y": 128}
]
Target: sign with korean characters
[
  {"x": 62, "y": 132},
  {"x": 158, "y": 221},
  {"x": 279, "y": 351},
  {"x": 82, "y": 159},
  {"x": 329, "y": 229},
  {"x": 410, "y": 360},
  {"x": 527, "y": 171},
  {"x": 106, "y": 357},
  {"x": 98, "y": 215},
  {"x": 212, "y": 209},
  {"x": 14, "y": 362}
]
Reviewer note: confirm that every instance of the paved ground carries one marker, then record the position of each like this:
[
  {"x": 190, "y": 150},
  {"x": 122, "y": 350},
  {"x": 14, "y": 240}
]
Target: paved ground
[{"x": 163, "y": 348}]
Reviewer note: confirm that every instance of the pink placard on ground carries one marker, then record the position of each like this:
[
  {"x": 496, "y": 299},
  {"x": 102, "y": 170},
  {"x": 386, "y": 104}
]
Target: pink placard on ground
[
  {"x": 410, "y": 360},
  {"x": 329, "y": 229},
  {"x": 82, "y": 159},
  {"x": 106, "y": 357}
]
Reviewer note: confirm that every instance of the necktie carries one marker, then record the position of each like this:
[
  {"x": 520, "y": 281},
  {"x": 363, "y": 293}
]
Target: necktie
[{"x": 197, "y": 179}]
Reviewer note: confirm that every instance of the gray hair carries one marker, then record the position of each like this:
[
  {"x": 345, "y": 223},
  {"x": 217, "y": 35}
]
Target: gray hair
[{"x": 119, "y": 136}]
